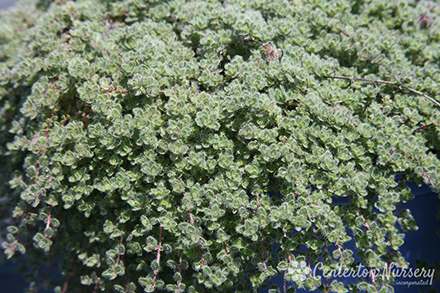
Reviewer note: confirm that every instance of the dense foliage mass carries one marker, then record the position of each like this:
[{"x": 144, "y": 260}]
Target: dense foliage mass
[{"x": 207, "y": 146}]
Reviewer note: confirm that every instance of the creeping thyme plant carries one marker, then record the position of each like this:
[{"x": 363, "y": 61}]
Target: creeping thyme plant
[{"x": 208, "y": 146}]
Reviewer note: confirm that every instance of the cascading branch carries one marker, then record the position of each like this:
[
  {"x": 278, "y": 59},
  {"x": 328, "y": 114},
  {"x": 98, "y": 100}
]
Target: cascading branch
[{"x": 155, "y": 147}]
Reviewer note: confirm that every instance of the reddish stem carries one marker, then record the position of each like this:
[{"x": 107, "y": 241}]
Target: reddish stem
[
  {"x": 156, "y": 272},
  {"x": 70, "y": 274}
]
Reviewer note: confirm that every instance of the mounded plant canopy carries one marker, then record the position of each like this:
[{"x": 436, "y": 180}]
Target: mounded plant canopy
[{"x": 208, "y": 146}]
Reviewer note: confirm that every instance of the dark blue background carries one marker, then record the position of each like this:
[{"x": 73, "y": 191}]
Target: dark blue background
[{"x": 423, "y": 244}]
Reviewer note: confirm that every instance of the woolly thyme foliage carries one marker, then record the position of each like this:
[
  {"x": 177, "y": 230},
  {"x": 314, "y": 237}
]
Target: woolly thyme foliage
[{"x": 155, "y": 148}]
